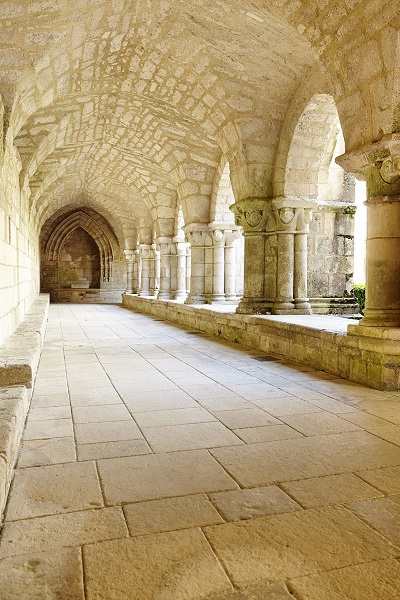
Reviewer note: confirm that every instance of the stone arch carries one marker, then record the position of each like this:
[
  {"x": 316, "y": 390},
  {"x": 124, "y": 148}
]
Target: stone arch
[
  {"x": 56, "y": 233},
  {"x": 222, "y": 196},
  {"x": 306, "y": 170}
]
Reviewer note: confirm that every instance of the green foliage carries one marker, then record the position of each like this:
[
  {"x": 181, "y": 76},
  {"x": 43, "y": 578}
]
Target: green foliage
[{"x": 359, "y": 294}]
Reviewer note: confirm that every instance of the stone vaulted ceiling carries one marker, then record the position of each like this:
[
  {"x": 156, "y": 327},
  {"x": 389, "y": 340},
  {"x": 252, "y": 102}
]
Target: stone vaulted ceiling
[{"x": 128, "y": 105}]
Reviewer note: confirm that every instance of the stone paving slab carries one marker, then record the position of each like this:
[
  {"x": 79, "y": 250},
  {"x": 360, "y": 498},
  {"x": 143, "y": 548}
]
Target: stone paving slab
[{"x": 193, "y": 513}]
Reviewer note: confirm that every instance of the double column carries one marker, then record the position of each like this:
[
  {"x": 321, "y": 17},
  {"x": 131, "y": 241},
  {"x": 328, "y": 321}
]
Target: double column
[
  {"x": 130, "y": 258},
  {"x": 275, "y": 272},
  {"x": 379, "y": 165},
  {"x": 223, "y": 263},
  {"x": 291, "y": 228}
]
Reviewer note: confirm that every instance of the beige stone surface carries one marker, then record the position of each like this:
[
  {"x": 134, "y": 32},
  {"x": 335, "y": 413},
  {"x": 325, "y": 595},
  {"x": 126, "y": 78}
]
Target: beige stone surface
[
  {"x": 52, "y": 428},
  {"x": 170, "y": 514},
  {"x": 54, "y": 489},
  {"x": 34, "y": 453},
  {"x": 133, "y": 479},
  {"x": 48, "y": 413},
  {"x": 386, "y": 479},
  {"x": 296, "y": 544},
  {"x": 307, "y": 457},
  {"x": 72, "y": 529},
  {"x": 99, "y": 414},
  {"x": 319, "y": 424},
  {"x": 383, "y": 514},
  {"x": 52, "y": 400},
  {"x": 369, "y": 581},
  {"x": 190, "y": 437},
  {"x": 240, "y": 419},
  {"x": 115, "y": 431},
  {"x": 247, "y": 504},
  {"x": 254, "y": 435},
  {"x": 168, "y": 565},
  {"x": 288, "y": 405},
  {"x": 332, "y": 489},
  {"x": 146, "y": 401},
  {"x": 181, "y": 416},
  {"x": 36, "y": 576},
  {"x": 112, "y": 449}
]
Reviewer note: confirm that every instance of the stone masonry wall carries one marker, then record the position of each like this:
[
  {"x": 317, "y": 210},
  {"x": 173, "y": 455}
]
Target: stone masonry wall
[
  {"x": 330, "y": 252},
  {"x": 19, "y": 251}
]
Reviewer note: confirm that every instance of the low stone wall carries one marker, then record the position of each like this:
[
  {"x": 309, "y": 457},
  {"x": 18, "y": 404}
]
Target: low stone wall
[
  {"x": 19, "y": 359},
  {"x": 368, "y": 360}
]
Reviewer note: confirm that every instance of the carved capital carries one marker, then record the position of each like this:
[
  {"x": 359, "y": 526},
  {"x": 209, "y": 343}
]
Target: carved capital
[
  {"x": 130, "y": 255},
  {"x": 251, "y": 214},
  {"x": 378, "y": 164}
]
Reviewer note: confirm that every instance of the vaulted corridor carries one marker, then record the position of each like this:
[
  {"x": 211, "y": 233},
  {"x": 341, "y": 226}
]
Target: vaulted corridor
[{"x": 159, "y": 463}]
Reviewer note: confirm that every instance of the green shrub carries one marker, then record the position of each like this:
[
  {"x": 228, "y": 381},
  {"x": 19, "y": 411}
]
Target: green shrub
[{"x": 359, "y": 294}]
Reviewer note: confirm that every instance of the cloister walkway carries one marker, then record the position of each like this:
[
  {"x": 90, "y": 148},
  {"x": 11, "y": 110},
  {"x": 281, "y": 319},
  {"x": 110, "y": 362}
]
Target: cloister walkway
[{"x": 161, "y": 464}]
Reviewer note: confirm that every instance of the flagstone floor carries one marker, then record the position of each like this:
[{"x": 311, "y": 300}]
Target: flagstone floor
[{"x": 161, "y": 464}]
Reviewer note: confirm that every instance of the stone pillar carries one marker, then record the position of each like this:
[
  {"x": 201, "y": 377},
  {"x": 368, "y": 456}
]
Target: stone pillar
[
  {"x": 218, "y": 275},
  {"x": 379, "y": 164},
  {"x": 130, "y": 258},
  {"x": 231, "y": 266},
  {"x": 300, "y": 292},
  {"x": 292, "y": 218},
  {"x": 154, "y": 270},
  {"x": 251, "y": 214},
  {"x": 181, "y": 269},
  {"x": 165, "y": 250},
  {"x": 188, "y": 266},
  {"x": 199, "y": 239},
  {"x": 145, "y": 261},
  {"x": 136, "y": 272}
]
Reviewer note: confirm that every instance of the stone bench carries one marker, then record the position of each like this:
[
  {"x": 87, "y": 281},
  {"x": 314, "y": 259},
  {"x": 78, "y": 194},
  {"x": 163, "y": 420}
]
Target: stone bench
[
  {"x": 19, "y": 356},
  {"x": 19, "y": 359},
  {"x": 319, "y": 342},
  {"x": 14, "y": 404}
]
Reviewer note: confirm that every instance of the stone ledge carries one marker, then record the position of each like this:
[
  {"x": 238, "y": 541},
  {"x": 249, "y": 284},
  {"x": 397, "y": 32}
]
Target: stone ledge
[
  {"x": 19, "y": 358},
  {"x": 14, "y": 404},
  {"x": 19, "y": 355},
  {"x": 321, "y": 343}
]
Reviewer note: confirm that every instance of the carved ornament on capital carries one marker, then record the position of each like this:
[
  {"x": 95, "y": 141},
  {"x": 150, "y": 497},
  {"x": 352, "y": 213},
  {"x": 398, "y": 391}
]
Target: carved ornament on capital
[
  {"x": 292, "y": 214},
  {"x": 378, "y": 164},
  {"x": 252, "y": 214},
  {"x": 198, "y": 236},
  {"x": 130, "y": 255}
]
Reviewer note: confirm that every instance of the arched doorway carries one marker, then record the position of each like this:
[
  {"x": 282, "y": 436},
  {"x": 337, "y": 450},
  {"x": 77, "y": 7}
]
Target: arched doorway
[{"x": 81, "y": 260}]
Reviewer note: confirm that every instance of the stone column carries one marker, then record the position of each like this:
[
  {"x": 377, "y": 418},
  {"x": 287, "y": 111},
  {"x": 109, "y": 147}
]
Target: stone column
[
  {"x": 188, "y": 266},
  {"x": 252, "y": 214},
  {"x": 165, "y": 249},
  {"x": 154, "y": 270},
  {"x": 285, "y": 224},
  {"x": 292, "y": 218},
  {"x": 300, "y": 291},
  {"x": 199, "y": 238},
  {"x": 136, "y": 272},
  {"x": 379, "y": 165},
  {"x": 218, "y": 276},
  {"x": 129, "y": 257},
  {"x": 145, "y": 259},
  {"x": 231, "y": 266},
  {"x": 181, "y": 268}
]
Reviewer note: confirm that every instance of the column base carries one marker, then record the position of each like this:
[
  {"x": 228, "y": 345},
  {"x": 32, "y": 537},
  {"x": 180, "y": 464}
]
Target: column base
[
  {"x": 303, "y": 307},
  {"x": 217, "y": 299},
  {"x": 164, "y": 296},
  {"x": 196, "y": 300},
  {"x": 254, "y": 307},
  {"x": 283, "y": 308},
  {"x": 180, "y": 296},
  {"x": 381, "y": 318}
]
